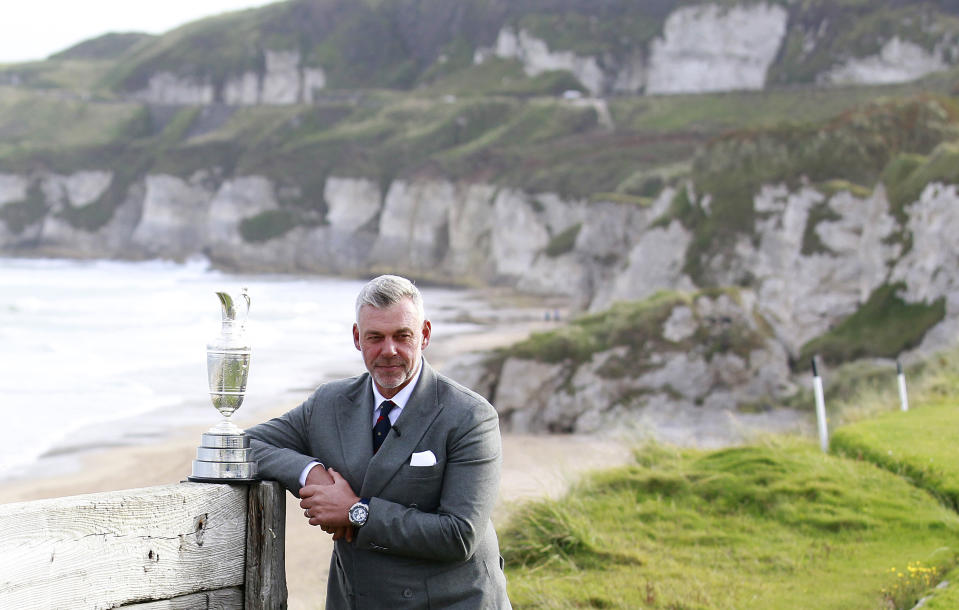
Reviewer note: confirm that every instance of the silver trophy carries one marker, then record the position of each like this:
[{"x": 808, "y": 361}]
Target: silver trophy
[{"x": 224, "y": 452}]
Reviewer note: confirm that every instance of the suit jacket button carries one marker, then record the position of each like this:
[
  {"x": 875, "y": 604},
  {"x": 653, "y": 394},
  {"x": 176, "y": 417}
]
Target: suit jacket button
[{"x": 407, "y": 593}]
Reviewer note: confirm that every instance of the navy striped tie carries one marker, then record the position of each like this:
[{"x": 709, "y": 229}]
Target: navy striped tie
[{"x": 382, "y": 427}]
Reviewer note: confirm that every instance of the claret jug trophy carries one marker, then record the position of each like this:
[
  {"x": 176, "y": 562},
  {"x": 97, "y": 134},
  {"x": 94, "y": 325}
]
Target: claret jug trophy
[{"x": 224, "y": 454}]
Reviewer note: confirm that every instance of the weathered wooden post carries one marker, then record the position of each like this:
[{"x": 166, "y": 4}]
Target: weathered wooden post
[
  {"x": 265, "y": 581},
  {"x": 186, "y": 545}
]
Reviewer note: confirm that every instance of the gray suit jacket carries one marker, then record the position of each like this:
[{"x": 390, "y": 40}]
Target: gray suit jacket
[{"x": 429, "y": 541}]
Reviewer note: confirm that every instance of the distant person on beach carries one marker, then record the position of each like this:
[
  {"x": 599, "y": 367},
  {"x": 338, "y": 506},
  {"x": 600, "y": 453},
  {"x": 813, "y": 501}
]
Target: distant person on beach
[{"x": 411, "y": 519}]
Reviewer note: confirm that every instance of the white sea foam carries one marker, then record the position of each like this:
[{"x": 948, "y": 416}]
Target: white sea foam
[{"x": 96, "y": 352}]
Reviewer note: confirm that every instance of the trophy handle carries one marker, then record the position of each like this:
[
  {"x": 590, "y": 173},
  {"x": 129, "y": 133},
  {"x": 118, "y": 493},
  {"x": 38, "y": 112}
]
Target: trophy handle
[{"x": 246, "y": 310}]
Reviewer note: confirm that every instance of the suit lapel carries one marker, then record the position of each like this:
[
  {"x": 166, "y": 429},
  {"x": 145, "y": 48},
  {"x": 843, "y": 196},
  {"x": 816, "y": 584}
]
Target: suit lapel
[
  {"x": 354, "y": 412},
  {"x": 414, "y": 421}
]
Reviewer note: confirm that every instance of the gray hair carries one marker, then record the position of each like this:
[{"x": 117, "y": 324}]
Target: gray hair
[{"x": 387, "y": 290}]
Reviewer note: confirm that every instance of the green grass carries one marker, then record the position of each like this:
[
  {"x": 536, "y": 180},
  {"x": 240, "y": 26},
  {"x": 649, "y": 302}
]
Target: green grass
[
  {"x": 883, "y": 327},
  {"x": 37, "y": 120},
  {"x": 638, "y": 326},
  {"x": 918, "y": 440},
  {"x": 773, "y": 526},
  {"x": 267, "y": 225},
  {"x": 778, "y": 524},
  {"x": 919, "y": 444},
  {"x": 915, "y": 172}
]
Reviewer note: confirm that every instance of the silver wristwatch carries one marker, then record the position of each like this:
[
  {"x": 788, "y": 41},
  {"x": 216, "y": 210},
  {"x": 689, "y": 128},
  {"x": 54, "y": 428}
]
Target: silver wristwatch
[{"x": 359, "y": 512}]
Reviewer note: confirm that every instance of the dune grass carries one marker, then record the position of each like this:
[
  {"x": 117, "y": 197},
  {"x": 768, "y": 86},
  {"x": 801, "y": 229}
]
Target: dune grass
[
  {"x": 778, "y": 525},
  {"x": 919, "y": 444}
]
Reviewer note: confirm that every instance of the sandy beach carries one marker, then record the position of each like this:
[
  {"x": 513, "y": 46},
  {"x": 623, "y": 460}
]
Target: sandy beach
[{"x": 533, "y": 466}]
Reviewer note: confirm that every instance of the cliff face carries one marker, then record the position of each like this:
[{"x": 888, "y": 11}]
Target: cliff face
[
  {"x": 594, "y": 253},
  {"x": 620, "y": 47},
  {"x": 702, "y": 48},
  {"x": 282, "y": 81}
]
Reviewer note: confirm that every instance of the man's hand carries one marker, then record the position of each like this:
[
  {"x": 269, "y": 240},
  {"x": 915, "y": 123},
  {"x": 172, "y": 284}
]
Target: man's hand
[
  {"x": 328, "y": 505},
  {"x": 318, "y": 476}
]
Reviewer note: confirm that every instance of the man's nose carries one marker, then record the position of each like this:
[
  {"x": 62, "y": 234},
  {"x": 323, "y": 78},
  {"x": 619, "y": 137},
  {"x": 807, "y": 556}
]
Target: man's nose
[{"x": 389, "y": 347}]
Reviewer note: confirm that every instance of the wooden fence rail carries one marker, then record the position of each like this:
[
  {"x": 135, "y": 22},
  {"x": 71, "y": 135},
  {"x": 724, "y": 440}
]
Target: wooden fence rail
[{"x": 186, "y": 545}]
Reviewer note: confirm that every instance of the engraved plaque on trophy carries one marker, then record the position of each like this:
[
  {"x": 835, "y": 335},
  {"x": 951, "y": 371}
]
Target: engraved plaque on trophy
[{"x": 224, "y": 454}]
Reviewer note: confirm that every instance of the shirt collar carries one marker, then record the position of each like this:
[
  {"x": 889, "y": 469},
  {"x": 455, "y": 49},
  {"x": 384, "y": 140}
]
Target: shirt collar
[{"x": 403, "y": 396}]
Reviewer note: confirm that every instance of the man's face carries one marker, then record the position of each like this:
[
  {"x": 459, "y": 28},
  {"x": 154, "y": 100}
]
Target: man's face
[{"x": 392, "y": 340}]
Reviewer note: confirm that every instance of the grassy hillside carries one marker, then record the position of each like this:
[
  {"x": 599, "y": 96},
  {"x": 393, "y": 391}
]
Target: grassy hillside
[
  {"x": 770, "y": 526},
  {"x": 775, "y": 525},
  {"x": 404, "y": 44}
]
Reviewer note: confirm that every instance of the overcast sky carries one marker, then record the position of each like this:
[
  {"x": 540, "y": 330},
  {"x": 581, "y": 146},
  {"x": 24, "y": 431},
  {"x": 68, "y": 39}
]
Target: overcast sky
[{"x": 34, "y": 29}]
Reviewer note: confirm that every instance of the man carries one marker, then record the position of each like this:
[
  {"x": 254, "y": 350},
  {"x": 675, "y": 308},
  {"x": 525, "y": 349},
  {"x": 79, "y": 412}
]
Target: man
[{"x": 412, "y": 519}]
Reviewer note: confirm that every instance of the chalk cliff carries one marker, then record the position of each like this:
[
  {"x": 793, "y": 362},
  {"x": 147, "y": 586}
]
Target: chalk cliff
[
  {"x": 594, "y": 254},
  {"x": 283, "y": 81},
  {"x": 675, "y": 47},
  {"x": 481, "y": 233}
]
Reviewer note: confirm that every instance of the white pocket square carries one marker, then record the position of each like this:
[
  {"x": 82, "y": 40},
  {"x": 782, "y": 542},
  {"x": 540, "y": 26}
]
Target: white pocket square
[{"x": 423, "y": 458}]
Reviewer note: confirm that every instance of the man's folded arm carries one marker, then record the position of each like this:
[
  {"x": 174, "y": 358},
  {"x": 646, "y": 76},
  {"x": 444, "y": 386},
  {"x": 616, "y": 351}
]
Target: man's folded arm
[{"x": 281, "y": 447}]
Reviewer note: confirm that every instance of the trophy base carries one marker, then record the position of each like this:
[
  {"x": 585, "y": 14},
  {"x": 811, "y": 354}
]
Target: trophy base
[{"x": 223, "y": 458}]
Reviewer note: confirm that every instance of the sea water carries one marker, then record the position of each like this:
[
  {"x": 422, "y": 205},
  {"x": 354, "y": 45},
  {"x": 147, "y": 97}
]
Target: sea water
[{"x": 98, "y": 353}]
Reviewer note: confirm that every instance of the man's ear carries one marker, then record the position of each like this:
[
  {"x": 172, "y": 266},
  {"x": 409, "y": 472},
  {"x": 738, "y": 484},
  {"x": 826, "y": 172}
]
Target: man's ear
[
  {"x": 427, "y": 329},
  {"x": 356, "y": 336}
]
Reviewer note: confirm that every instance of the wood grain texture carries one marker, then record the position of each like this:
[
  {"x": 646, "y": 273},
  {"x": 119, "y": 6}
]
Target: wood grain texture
[
  {"x": 110, "y": 549},
  {"x": 265, "y": 583},
  {"x": 221, "y": 599}
]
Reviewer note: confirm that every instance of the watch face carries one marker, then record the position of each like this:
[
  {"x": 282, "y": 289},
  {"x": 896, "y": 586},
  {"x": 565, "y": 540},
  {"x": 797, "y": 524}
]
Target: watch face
[{"x": 358, "y": 514}]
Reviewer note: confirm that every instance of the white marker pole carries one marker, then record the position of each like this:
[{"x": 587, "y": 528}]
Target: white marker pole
[
  {"x": 820, "y": 407},
  {"x": 903, "y": 397}
]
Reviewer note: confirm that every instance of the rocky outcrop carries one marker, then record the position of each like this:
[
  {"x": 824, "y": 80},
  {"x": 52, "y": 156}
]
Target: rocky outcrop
[
  {"x": 713, "y": 48},
  {"x": 702, "y": 48},
  {"x": 414, "y": 224},
  {"x": 236, "y": 199},
  {"x": 684, "y": 395},
  {"x": 803, "y": 291},
  {"x": 929, "y": 268},
  {"x": 654, "y": 262},
  {"x": 898, "y": 61},
  {"x": 352, "y": 203},
  {"x": 13, "y": 188},
  {"x": 537, "y": 58},
  {"x": 175, "y": 216},
  {"x": 77, "y": 190},
  {"x": 284, "y": 80},
  {"x": 167, "y": 88}
]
